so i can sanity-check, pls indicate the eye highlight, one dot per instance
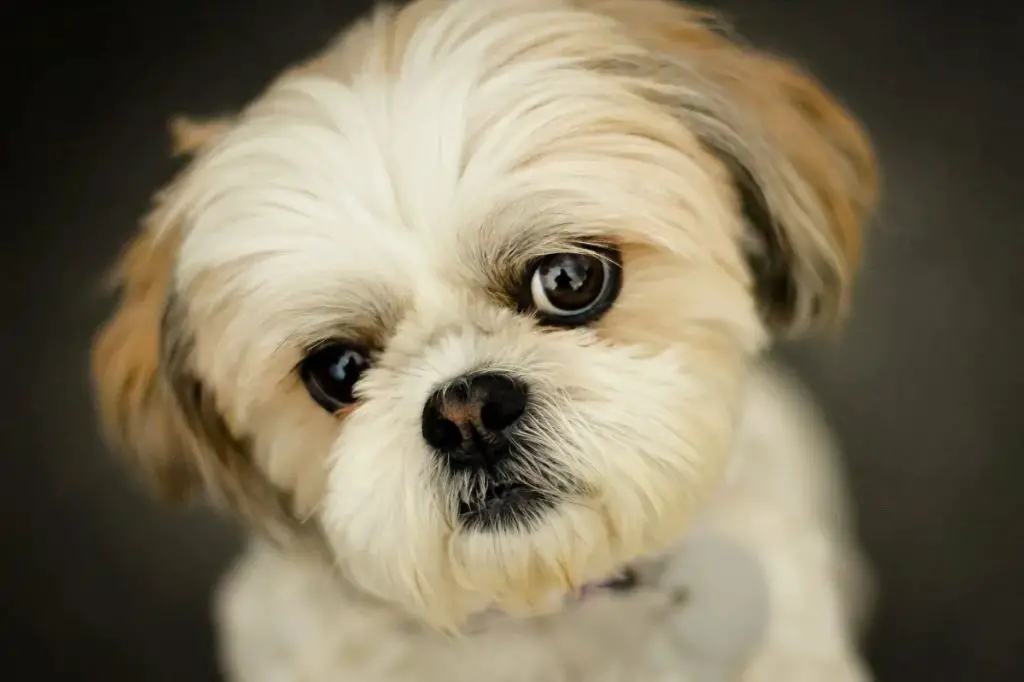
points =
(572, 289)
(330, 372)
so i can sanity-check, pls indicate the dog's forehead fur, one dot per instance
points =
(437, 172)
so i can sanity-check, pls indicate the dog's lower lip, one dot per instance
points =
(503, 494)
(502, 490)
(504, 505)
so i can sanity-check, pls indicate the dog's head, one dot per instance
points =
(471, 296)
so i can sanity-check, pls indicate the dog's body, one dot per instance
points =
(465, 318)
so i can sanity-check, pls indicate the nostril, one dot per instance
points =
(496, 416)
(443, 434)
(503, 400)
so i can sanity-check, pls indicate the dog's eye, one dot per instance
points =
(330, 373)
(570, 289)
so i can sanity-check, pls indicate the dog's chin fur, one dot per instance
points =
(391, 193)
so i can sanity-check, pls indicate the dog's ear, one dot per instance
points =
(132, 373)
(139, 412)
(804, 170)
(154, 407)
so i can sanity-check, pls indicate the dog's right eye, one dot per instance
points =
(572, 289)
(330, 372)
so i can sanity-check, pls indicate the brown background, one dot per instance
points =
(925, 387)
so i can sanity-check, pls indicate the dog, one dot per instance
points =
(466, 318)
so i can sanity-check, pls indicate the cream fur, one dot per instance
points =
(387, 192)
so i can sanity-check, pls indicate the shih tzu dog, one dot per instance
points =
(464, 318)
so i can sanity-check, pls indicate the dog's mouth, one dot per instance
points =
(504, 506)
(516, 506)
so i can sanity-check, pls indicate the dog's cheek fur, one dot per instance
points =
(674, 348)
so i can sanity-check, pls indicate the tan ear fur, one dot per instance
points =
(154, 408)
(810, 159)
(159, 414)
(135, 404)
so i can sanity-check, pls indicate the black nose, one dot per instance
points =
(468, 420)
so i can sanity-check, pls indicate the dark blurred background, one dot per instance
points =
(925, 387)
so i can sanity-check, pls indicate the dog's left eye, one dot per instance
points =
(571, 289)
(330, 373)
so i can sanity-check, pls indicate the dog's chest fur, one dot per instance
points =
(768, 569)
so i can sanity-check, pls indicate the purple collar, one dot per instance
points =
(624, 582)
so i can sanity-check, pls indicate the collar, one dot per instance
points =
(626, 581)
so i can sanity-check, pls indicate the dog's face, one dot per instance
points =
(470, 298)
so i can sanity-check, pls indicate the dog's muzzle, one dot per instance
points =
(473, 426)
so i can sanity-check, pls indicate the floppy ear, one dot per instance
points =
(804, 171)
(139, 413)
(157, 411)
(152, 406)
